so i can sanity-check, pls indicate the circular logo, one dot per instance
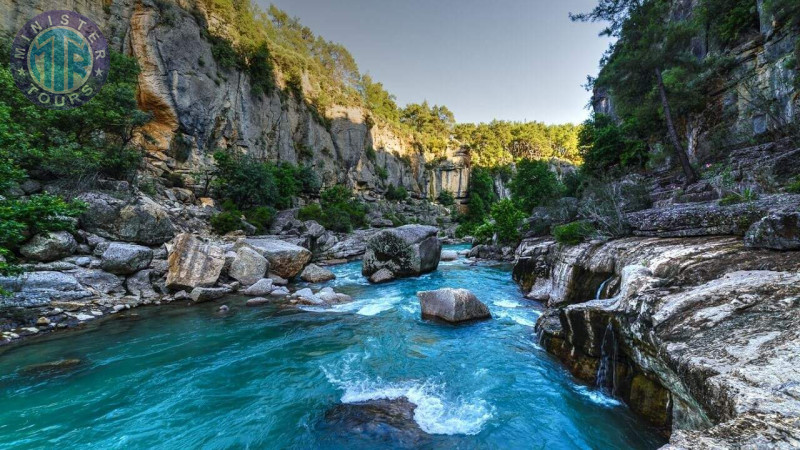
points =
(59, 59)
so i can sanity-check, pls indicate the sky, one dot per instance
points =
(517, 60)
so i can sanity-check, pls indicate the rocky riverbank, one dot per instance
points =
(130, 250)
(698, 334)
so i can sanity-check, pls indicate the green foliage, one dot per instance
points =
(534, 185)
(499, 143)
(727, 20)
(479, 203)
(573, 233)
(227, 221)
(794, 187)
(337, 210)
(604, 144)
(746, 195)
(261, 217)
(75, 145)
(371, 154)
(398, 193)
(382, 173)
(250, 183)
(244, 180)
(446, 198)
(507, 220)
(21, 219)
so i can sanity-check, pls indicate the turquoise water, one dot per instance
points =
(263, 377)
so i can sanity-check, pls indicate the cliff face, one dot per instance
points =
(758, 96)
(697, 334)
(199, 106)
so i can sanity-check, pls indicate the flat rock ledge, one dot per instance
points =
(452, 305)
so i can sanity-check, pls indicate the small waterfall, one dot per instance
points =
(607, 372)
(540, 337)
(602, 286)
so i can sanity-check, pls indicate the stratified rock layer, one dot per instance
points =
(698, 335)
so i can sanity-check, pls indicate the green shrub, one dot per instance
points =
(337, 210)
(244, 180)
(507, 220)
(76, 145)
(794, 187)
(261, 217)
(382, 173)
(312, 211)
(745, 196)
(175, 179)
(371, 154)
(225, 222)
(398, 193)
(446, 198)
(534, 185)
(573, 233)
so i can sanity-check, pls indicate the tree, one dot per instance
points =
(533, 185)
(649, 46)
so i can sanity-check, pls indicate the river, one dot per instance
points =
(181, 376)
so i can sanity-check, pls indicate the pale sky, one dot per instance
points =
(519, 60)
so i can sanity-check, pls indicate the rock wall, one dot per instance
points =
(199, 106)
(761, 94)
(697, 335)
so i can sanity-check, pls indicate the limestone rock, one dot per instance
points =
(285, 259)
(307, 297)
(249, 266)
(449, 255)
(204, 294)
(257, 301)
(41, 288)
(381, 276)
(409, 250)
(138, 220)
(99, 281)
(777, 231)
(140, 284)
(316, 274)
(123, 259)
(261, 287)
(193, 263)
(377, 421)
(49, 246)
(452, 305)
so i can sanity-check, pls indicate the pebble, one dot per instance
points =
(57, 311)
(257, 301)
(43, 321)
(118, 308)
(95, 312)
(223, 308)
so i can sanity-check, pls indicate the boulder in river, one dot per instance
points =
(257, 301)
(316, 274)
(52, 367)
(285, 260)
(406, 251)
(46, 247)
(193, 263)
(449, 255)
(382, 422)
(261, 287)
(452, 305)
(381, 276)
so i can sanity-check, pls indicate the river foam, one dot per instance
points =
(436, 412)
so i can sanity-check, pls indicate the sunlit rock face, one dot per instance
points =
(694, 333)
(198, 106)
